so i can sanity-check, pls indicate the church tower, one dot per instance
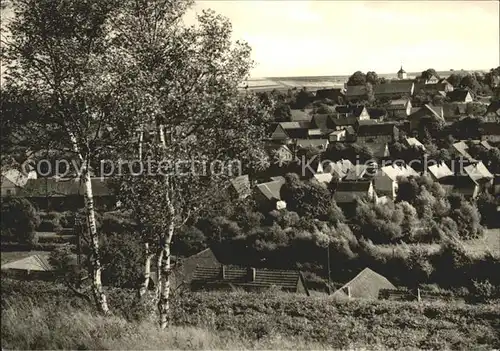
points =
(402, 73)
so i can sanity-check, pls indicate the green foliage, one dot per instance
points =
(122, 258)
(47, 225)
(357, 78)
(19, 220)
(308, 199)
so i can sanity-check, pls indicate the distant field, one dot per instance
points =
(318, 82)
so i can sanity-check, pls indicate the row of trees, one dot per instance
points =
(85, 77)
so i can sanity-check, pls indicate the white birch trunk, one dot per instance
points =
(163, 263)
(147, 272)
(164, 292)
(95, 263)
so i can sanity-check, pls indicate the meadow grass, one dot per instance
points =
(44, 316)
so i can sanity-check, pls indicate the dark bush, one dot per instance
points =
(19, 220)
(49, 225)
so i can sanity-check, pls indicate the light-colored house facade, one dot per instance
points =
(13, 181)
(387, 179)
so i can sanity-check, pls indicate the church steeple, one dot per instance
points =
(402, 73)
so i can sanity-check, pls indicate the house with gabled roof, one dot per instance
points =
(184, 268)
(413, 142)
(423, 113)
(366, 285)
(398, 109)
(387, 179)
(241, 187)
(463, 185)
(337, 95)
(267, 195)
(459, 95)
(279, 153)
(379, 132)
(290, 130)
(440, 172)
(453, 111)
(460, 149)
(67, 193)
(337, 135)
(339, 123)
(393, 90)
(493, 112)
(479, 173)
(347, 192)
(355, 93)
(14, 180)
(358, 111)
(323, 178)
(229, 278)
(359, 172)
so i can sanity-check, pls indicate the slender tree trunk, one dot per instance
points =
(147, 272)
(164, 292)
(95, 263)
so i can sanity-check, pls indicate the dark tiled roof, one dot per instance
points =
(355, 91)
(344, 121)
(376, 129)
(350, 110)
(376, 112)
(53, 187)
(320, 121)
(491, 128)
(457, 95)
(494, 108)
(393, 88)
(240, 276)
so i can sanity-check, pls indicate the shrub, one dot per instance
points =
(49, 225)
(19, 220)
(115, 222)
(67, 219)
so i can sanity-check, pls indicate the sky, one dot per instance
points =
(321, 37)
(334, 37)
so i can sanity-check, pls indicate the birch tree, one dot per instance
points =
(56, 51)
(186, 79)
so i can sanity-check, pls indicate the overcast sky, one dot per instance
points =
(300, 38)
(322, 37)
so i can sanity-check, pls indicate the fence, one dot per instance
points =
(418, 295)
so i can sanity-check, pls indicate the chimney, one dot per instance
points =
(223, 271)
(251, 274)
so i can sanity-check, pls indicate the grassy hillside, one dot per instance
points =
(36, 315)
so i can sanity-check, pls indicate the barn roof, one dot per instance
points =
(239, 276)
(365, 285)
(31, 263)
